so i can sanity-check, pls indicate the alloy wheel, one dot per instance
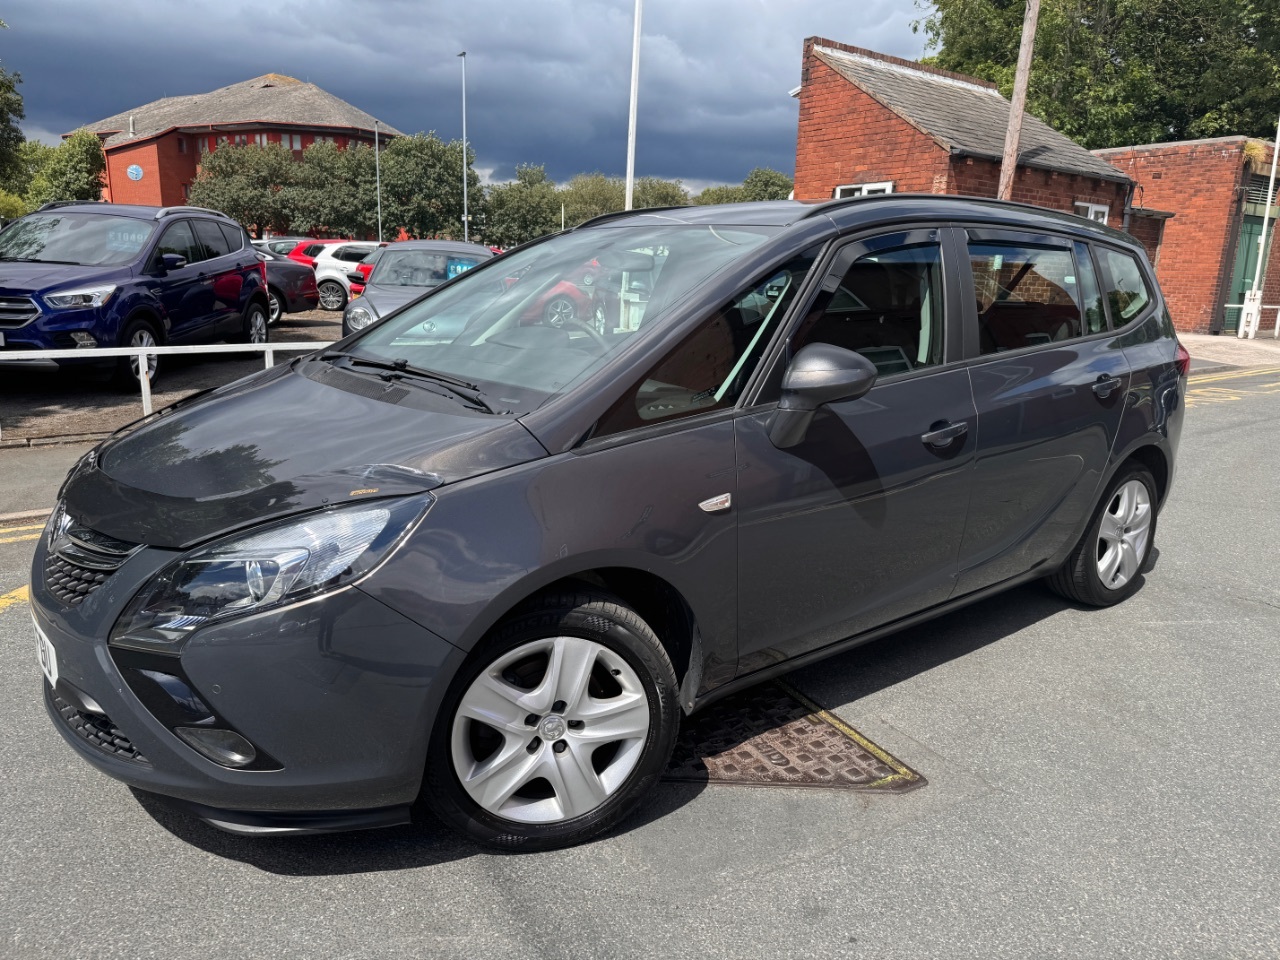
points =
(559, 311)
(142, 337)
(257, 326)
(275, 310)
(1124, 535)
(550, 730)
(332, 296)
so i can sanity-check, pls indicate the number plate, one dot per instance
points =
(47, 655)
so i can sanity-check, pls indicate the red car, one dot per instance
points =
(305, 252)
(365, 267)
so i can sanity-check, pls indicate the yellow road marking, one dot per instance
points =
(1233, 375)
(14, 597)
(28, 536)
(34, 526)
(901, 772)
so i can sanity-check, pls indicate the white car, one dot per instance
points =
(332, 265)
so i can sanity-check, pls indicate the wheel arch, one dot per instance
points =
(151, 316)
(654, 599)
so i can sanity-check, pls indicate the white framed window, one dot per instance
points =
(295, 140)
(260, 139)
(862, 189)
(1097, 212)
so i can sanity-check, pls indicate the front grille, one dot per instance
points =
(17, 312)
(81, 560)
(97, 729)
(71, 583)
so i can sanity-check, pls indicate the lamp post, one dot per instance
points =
(635, 94)
(377, 177)
(466, 221)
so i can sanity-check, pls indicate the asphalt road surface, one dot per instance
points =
(1100, 784)
(40, 404)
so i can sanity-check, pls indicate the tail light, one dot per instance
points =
(1183, 360)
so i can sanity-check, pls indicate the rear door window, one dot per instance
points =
(1026, 295)
(1127, 291)
(210, 234)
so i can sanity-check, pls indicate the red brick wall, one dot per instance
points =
(1199, 183)
(120, 188)
(974, 177)
(1148, 231)
(846, 136)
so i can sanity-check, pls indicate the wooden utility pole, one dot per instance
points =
(1010, 163)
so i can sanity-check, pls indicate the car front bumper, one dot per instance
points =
(339, 691)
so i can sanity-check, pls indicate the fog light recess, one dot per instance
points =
(224, 747)
(83, 338)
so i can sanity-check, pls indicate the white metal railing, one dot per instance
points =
(144, 383)
(1248, 330)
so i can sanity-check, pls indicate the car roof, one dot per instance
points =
(443, 246)
(133, 210)
(853, 212)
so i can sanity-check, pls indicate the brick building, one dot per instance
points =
(153, 152)
(871, 123)
(1218, 190)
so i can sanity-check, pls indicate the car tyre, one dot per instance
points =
(137, 333)
(275, 306)
(579, 701)
(1106, 566)
(255, 328)
(333, 296)
(559, 311)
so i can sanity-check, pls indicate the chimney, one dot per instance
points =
(131, 125)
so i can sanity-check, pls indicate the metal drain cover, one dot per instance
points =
(772, 735)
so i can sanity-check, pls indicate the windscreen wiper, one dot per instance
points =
(64, 263)
(399, 367)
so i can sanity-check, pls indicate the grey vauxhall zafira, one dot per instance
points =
(489, 570)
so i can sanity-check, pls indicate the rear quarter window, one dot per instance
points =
(1127, 291)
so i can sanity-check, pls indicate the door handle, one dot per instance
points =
(943, 432)
(1105, 385)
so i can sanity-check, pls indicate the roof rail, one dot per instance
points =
(605, 217)
(54, 204)
(172, 211)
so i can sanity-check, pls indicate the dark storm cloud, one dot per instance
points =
(547, 82)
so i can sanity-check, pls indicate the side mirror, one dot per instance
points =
(355, 276)
(820, 373)
(172, 261)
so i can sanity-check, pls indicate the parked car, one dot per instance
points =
(281, 246)
(91, 275)
(332, 264)
(291, 287)
(364, 268)
(489, 572)
(307, 251)
(404, 272)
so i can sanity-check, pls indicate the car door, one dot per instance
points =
(187, 292)
(1049, 381)
(224, 269)
(860, 523)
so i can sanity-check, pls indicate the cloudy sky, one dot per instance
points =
(547, 80)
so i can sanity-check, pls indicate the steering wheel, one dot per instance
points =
(597, 337)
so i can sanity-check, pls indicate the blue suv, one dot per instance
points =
(104, 275)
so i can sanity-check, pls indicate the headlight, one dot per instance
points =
(359, 317)
(94, 296)
(282, 564)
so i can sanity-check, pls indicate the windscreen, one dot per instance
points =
(418, 268)
(524, 327)
(87, 239)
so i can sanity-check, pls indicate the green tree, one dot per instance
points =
(334, 191)
(248, 183)
(765, 184)
(72, 171)
(1117, 72)
(724, 193)
(526, 208)
(11, 111)
(588, 195)
(653, 192)
(32, 158)
(12, 206)
(422, 185)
